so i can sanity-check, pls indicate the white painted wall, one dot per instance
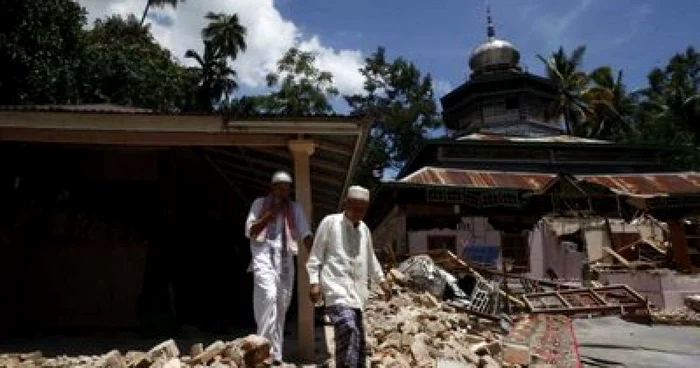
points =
(546, 251)
(664, 289)
(390, 231)
(536, 241)
(474, 231)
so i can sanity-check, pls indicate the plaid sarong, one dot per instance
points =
(349, 336)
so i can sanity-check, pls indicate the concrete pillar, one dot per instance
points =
(679, 244)
(302, 151)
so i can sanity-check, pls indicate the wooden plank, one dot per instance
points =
(272, 166)
(527, 302)
(316, 161)
(561, 298)
(618, 257)
(231, 169)
(334, 147)
(139, 138)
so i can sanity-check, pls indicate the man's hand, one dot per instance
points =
(265, 219)
(387, 290)
(315, 293)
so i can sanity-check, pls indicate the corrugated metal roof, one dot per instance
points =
(648, 185)
(545, 139)
(87, 108)
(478, 179)
(641, 185)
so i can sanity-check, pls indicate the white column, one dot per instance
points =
(302, 151)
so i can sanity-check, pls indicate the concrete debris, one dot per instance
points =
(693, 302)
(680, 317)
(251, 351)
(421, 273)
(196, 349)
(414, 329)
(167, 349)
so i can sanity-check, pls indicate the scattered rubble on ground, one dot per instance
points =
(414, 329)
(680, 317)
(417, 328)
(693, 302)
(504, 320)
(250, 351)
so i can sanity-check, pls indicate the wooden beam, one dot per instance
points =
(316, 162)
(561, 299)
(333, 181)
(139, 138)
(679, 244)
(257, 183)
(334, 147)
(618, 257)
(224, 151)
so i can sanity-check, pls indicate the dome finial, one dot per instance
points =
(490, 29)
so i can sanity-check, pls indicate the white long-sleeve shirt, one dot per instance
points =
(342, 261)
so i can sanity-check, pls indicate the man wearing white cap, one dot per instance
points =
(275, 225)
(340, 265)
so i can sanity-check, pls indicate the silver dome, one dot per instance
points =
(494, 53)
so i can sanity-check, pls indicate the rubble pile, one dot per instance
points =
(415, 329)
(250, 351)
(693, 302)
(683, 316)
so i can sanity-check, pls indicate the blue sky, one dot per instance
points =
(438, 36)
(634, 35)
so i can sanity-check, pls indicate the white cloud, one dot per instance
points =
(442, 87)
(635, 20)
(269, 36)
(553, 27)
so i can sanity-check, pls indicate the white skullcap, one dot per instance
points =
(358, 192)
(281, 177)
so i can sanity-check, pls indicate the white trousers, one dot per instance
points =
(272, 293)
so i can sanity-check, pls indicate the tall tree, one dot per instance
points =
(225, 33)
(302, 89)
(40, 47)
(215, 77)
(159, 4)
(669, 108)
(123, 64)
(402, 104)
(673, 95)
(571, 82)
(610, 107)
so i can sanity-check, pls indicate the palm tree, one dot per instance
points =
(571, 82)
(216, 79)
(225, 33)
(674, 92)
(160, 4)
(610, 106)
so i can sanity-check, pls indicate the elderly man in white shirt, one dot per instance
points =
(340, 264)
(274, 226)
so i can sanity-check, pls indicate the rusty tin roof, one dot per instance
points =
(478, 178)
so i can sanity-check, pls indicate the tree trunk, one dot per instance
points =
(145, 11)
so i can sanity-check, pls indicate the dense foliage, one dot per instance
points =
(401, 102)
(598, 104)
